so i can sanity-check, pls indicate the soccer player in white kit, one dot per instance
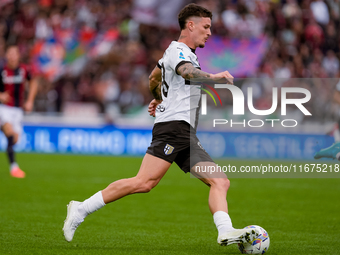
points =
(175, 107)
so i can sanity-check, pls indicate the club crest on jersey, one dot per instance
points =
(168, 149)
(181, 56)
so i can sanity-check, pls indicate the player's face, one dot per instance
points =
(13, 56)
(202, 31)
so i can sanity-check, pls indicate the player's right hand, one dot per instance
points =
(28, 106)
(152, 107)
(224, 77)
(5, 97)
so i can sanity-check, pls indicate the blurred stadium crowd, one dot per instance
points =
(304, 42)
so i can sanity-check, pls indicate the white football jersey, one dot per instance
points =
(181, 100)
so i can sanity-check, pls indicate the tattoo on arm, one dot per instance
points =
(157, 92)
(189, 72)
(155, 83)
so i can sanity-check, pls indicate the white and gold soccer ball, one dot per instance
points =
(259, 245)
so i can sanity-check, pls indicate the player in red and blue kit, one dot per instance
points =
(13, 78)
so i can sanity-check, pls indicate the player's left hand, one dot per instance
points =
(28, 106)
(223, 77)
(152, 107)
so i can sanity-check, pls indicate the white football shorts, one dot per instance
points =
(12, 115)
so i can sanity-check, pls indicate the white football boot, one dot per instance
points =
(73, 220)
(246, 235)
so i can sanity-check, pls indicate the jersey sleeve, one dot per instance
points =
(179, 56)
(159, 63)
(28, 73)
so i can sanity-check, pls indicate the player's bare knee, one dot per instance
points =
(8, 131)
(137, 184)
(143, 186)
(15, 138)
(223, 183)
(148, 187)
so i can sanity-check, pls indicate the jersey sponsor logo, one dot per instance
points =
(180, 48)
(13, 79)
(160, 108)
(168, 149)
(181, 56)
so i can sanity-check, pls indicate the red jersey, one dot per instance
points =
(13, 81)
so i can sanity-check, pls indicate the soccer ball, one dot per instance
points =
(259, 245)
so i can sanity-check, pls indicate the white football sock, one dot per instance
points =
(91, 204)
(222, 222)
(13, 165)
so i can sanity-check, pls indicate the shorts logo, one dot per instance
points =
(200, 145)
(168, 149)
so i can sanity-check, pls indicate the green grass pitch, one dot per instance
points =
(302, 216)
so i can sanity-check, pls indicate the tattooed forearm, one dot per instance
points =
(189, 72)
(157, 92)
(155, 83)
